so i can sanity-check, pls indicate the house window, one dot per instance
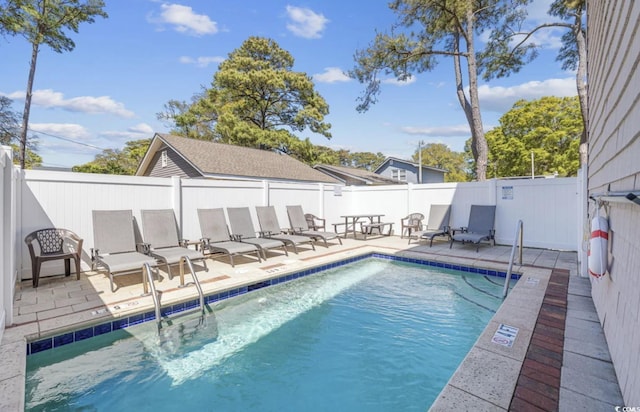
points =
(399, 174)
(163, 158)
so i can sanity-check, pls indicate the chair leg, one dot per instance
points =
(77, 260)
(35, 273)
(67, 267)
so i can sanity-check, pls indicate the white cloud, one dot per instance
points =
(305, 22)
(409, 80)
(438, 131)
(69, 130)
(331, 75)
(50, 99)
(137, 132)
(185, 20)
(202, 61)
(501, 99)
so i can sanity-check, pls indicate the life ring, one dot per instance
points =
(598, 247)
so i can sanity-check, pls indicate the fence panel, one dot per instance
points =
(60, 199)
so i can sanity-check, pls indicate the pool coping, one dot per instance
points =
(52, 341)
(14, 384)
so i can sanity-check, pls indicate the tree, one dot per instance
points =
(44, 22)
(549, 127)
(10, 134)
(257, 100)
(437, 28)
(439, 155)
(117, 162)
(512, 48)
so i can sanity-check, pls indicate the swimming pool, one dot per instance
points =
(372, 335)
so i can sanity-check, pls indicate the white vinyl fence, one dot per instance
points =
(39, 199)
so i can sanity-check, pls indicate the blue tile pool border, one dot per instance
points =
(88, 332)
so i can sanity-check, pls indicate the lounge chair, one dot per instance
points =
(216, 237)
(269, 228)
(411, 223)
(162, 241)
(242, 230)
(437, 225)
(481, 221)
(300, 227)
(115, 248)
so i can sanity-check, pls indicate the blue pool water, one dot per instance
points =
(374, 335)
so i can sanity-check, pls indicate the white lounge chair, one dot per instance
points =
(216, 237)
(270, 228)
(115, 248)
(300, 227)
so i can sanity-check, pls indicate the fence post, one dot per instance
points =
(583, 221)
(176, 199)
(266, 195)
(321, 199)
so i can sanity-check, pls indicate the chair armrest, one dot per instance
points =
(143, 247)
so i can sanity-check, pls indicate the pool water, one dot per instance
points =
(375, 335)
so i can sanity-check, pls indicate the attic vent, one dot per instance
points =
(163, 158)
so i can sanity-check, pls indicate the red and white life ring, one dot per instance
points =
(598, 247)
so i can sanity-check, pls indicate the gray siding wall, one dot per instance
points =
(176, 166)
(428, 176)
(614, 164)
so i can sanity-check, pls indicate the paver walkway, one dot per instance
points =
(561, 370)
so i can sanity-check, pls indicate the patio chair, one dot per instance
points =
(270, 228)
(300, 227)
(481, 221)
(216, 237)
(412, 222)
(314, 222)
(115, 248)
(162, 240)
(437, 225)
(53, 244)
(242, 230)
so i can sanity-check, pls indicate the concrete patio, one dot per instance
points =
(490, 378)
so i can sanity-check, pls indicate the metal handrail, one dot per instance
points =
(149, 278)
(516, 241)
(195, 282)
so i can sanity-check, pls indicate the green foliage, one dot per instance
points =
(439, 155)
(44, 22)
(255, 100)
(426, 31)
(550, 127)
(10, 135)
(117, 162)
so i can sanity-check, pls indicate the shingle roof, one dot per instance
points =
(409, 162)
(365, 175)
(219, 160)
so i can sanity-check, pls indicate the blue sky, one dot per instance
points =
(123, 70)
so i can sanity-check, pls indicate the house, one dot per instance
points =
(406, 171)
(170, 155)
(352, 176)
(613, 179)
